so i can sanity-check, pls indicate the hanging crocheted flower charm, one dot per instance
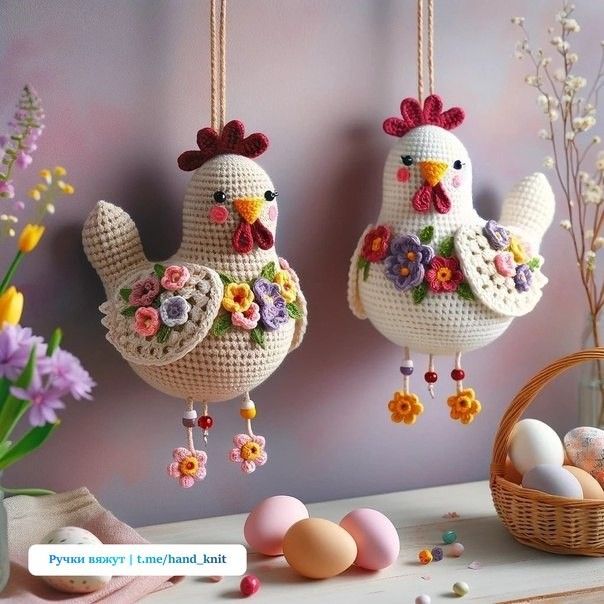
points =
(249, 452)
(405, 407)
(188, 466)
(464, 406)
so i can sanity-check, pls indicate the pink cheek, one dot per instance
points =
(273, 213)
(219, 214)
(456, 182)
(403, 175)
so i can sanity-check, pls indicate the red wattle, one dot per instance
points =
(441, 200)
(262, 236)
(243, 240)
(422, 199)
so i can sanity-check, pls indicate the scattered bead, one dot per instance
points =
(431, 377)
(458, 374)
(205, 422)
(249, 585)
(449, 537)
(216, 578)
(461, 588)
(423, 599)
(425, 556)
(456, 550)
(437, 554)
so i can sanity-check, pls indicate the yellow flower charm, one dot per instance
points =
(30, 237)
(464, 406)
(11, 306)
(287, 286)
(405, 407)
(518, 251)
(238, 297)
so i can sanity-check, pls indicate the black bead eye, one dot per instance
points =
(407, 160)
(457, 164)
(270, 195)
(219, 197)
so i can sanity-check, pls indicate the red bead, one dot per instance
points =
(249, 585)
(205, 422)
(431, 377)
(458, 374)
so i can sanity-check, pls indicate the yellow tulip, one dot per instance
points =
(60, 171)
(65, 187)
(35, 194)
(11, 306)
(30, 237)
(46, 175)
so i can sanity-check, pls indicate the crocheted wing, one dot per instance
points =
(151, 324)
(354, 297)
(301, 323)
(504, 285)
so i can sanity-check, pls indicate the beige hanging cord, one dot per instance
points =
(420, 48)
(218, 66)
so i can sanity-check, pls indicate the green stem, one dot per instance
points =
(11, 271)
(27, 491)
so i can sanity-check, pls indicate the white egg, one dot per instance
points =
(70, 535)
(533, 443)
(554, 480)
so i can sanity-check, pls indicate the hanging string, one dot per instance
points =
(420, 48)
(222, 105)
(431, 45)
(217, 66)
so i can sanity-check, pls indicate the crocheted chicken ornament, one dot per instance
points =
(215, 320)
(432, 275)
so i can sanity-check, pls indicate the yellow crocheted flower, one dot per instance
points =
(287, 286)
(517, 249)
(405, 407)
(238, 297)
(464, 406)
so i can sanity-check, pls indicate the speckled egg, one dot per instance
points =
(268, 522)
(318, 549)
(585, 449)
(591, 487)
(377, 541)
(533, 443)
(70, 535)
(554, 480)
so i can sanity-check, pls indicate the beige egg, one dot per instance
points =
(591, 487)
(318, 549)
(511, 473)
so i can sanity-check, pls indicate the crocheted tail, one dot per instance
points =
(530, 207)
(112, 243)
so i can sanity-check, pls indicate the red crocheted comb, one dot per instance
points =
(231, 140)
(431, 114)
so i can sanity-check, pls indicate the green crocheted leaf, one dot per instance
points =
(159, 270)
(221, 325)
(293, 311)
(445, 248)
(426, 234)
(257, 336)
(226, 279)
(162, 334)
(534, 263)
(129, 311)
(419, 292)
(125, 293)
(464, 291)
(269, 271)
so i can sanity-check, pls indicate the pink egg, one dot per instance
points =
(376, 538)
(456, 550)
(268, 522)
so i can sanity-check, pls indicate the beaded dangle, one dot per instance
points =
(249, 449)
(431, 376)
(405, 406)
(464, 406)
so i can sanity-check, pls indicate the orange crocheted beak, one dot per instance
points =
(249, 208)
(432, 171)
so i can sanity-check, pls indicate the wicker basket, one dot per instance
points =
(553, 524)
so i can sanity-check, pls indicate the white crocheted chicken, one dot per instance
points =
(432, 275)
(219, 317)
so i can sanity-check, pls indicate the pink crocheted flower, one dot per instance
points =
(249, 452)
(146, 321)
(248, 319)
(144, 291)
(188, 466)
(175, 277)
(505, 265)
(444, 274)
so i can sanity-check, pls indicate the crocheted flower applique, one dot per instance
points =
(188, 466)
(158, 303)
(259, 306)
(375, 248)
(464, 406)
(405, 407)
(249, 451)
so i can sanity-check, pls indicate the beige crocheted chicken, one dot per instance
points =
(215, 320)
(432, 275)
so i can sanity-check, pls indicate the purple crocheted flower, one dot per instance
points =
(273, 310)
(497, 236)
(174, 311)
(406, 266)
(523, 278)
(144, 291)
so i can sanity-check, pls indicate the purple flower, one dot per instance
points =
(16, 343)
(66, 374)
(523, 278)
(23, 160)
(273, 310)
(6, 189)
(497, 236)
(144, 291)
(44, 399)
(4, 138)
(406, 266)
(174, 310)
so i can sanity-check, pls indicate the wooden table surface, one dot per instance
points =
(509, 572)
